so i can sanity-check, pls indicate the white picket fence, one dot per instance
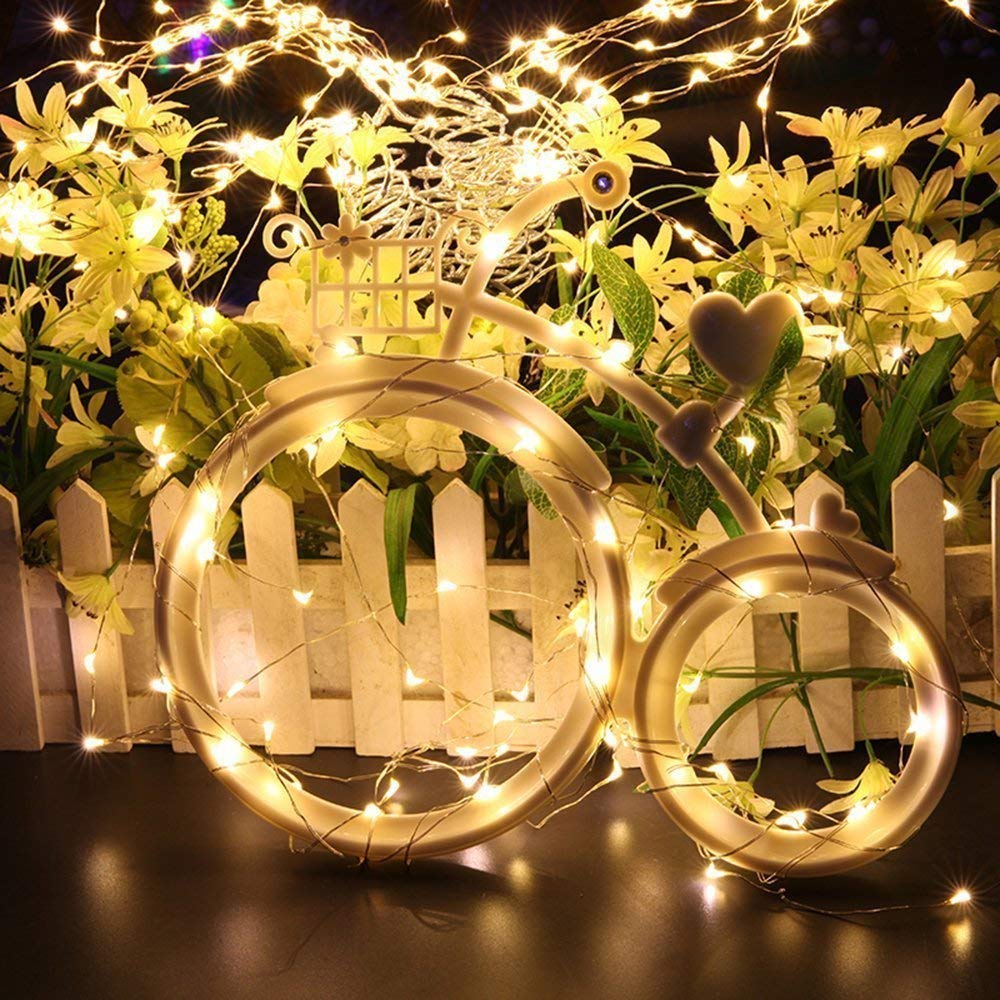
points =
(344, 682)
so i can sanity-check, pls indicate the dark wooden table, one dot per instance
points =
(138, 876)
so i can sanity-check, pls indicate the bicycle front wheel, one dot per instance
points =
(797, 562)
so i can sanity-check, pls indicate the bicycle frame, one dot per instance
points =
(641, 675)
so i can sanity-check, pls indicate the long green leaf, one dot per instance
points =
(31, 499)
(106, 373)
(398, 518)
(902, 423)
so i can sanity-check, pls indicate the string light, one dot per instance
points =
(227, 752)
(93, 742)
(303, 597)
(960, 897)
(494, 245)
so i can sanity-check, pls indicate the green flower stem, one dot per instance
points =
(791, 626)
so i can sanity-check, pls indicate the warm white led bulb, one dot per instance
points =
(302, 596)
(598, 670)
(604, 532)
(792, 820)
(617, 352)
(494, 245)
(227, 752)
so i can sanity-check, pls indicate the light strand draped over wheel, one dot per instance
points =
(797, 562)
(375, 387)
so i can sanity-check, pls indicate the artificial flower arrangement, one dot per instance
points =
(116, 365)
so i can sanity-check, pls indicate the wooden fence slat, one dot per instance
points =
(162, 511)
(995, 564)
(553, 582)
(466, 666)
(85, 545)
(918, 542)
(729, 643)
(824, 643)
(278, 625)
(373, 634)
(21, 726)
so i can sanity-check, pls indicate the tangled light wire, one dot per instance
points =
(486, 133)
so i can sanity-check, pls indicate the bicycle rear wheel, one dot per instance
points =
(302, 406)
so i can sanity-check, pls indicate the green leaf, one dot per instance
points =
(272, 346)
(398, 518)
(198, 410)
(946, 432)
(106, 373)
(513, 489)
(114, 481)
(631, 301)
(482, 468)
(745, 286)
(355, 458)
(33, 497)
(703, 376)
(624, 428)
(786, 356)
(902, 425)
(692, 491)
(538, 497)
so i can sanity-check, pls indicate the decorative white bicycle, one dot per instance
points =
(630, 680)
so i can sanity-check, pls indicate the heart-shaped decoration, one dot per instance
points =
(738, 343)
(828, 514)
(691, 432)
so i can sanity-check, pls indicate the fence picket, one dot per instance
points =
(918, 542)
(21, 707)
(371, 713)
(372, 631)
(278, 625)
(85, 546)
(466, 667)
(554, 579)
(824, 643)
(162, 512)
